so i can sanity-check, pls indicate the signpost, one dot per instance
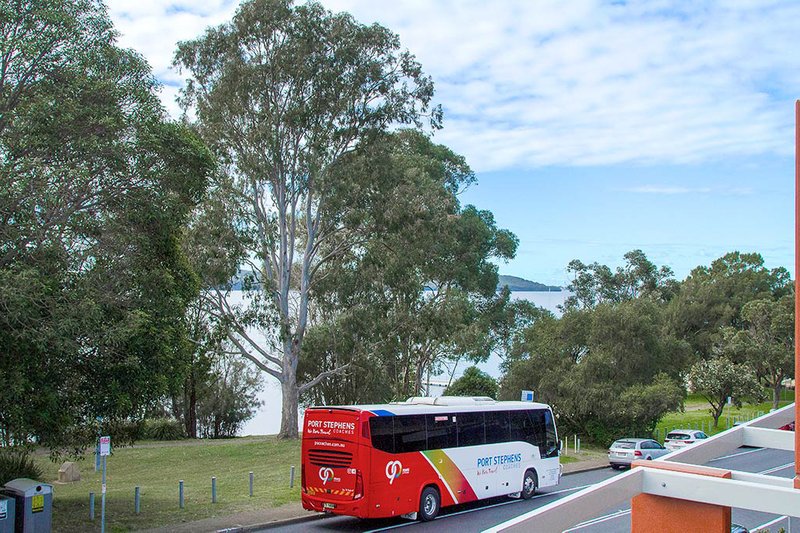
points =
(527, 396)
(105, 451)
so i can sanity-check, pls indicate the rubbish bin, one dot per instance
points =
(6, 514)
(33, 505)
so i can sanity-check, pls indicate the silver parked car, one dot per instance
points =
(680, 438)
(624, 451)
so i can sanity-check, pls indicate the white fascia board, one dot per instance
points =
(775, 419)
(579, 507)
(785, 482)
(756, 496)
(776, 439)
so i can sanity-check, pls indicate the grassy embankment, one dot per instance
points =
(157, 466)
(696, 416)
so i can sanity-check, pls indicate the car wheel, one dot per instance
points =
(429, 504)
(614, 467)
(529, 485)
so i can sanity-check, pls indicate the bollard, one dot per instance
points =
(251, 484)
(291, 477)
(180, 493)
(136, 500)
(579, 445)
(213, 490)
(91, 506)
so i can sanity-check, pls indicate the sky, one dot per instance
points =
(594, 128)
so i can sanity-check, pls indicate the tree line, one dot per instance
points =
(633, 341)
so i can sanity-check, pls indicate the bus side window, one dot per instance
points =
(441, 432)
(470, 429)
(497, 427)
(522, 427)
(382, 430)
(410, 434)
(545, 433)
(551, 440)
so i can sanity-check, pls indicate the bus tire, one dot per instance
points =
(429, 504)
(528, 485)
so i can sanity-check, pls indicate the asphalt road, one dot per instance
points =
(481, 515)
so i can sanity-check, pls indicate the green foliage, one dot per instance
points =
(124, 432)
(719, 378)
(16, 463)
(418, 291)
(473, 382)
(228, 398)
(607, 371)
(163, 429)
(95, 186)
(712, 298)
(595, 284)
(766, 341)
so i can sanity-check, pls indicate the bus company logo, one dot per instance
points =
(393, 470)
(325, 474)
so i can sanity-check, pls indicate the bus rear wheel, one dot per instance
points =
(429, 504)
(528, 485)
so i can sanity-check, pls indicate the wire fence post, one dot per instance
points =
(180, 493)
(137, 500)
(213, 490)
(291, 478)
(251, 484)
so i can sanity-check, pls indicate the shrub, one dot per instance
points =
(163, 429)
(124, 432)
(15, 463)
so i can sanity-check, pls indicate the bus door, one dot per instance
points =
(332, 473)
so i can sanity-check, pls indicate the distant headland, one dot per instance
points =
(516, 284)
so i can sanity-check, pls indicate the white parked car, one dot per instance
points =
(680, 438)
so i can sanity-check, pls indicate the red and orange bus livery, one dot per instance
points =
(410, 459)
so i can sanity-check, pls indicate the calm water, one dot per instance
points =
(268, 419)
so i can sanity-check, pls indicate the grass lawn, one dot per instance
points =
(696, 415)
(157, 467)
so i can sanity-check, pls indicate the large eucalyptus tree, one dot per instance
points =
(282, 92)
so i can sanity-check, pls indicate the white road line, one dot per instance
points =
(600, 519)
(770, 523)
(542, 495)
(737, 454)
(777, 468)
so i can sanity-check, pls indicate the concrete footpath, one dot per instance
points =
(294, 512)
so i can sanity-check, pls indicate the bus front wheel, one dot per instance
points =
(529, 485)
(429, 504)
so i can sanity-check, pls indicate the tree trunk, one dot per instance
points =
(290, 396)
(716, 412)
(776, 394)
(191, 408)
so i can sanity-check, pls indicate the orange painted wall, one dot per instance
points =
(656, 513)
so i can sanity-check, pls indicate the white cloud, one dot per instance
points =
(528, 84)
(676, 190)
